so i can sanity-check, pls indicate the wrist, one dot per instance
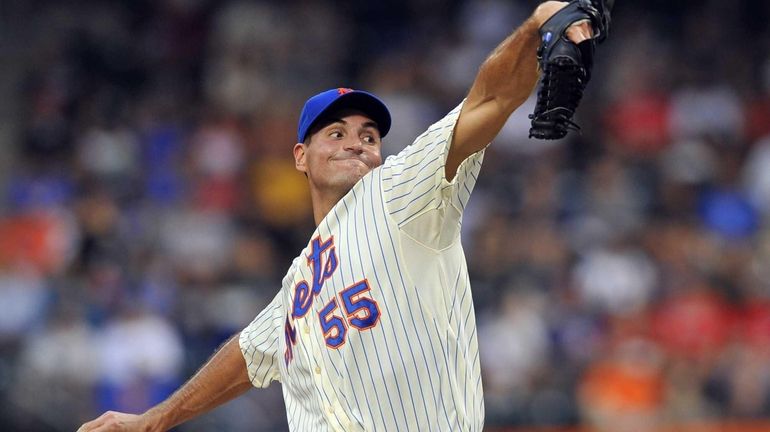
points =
(157, 420)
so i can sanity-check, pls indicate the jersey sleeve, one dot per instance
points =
(415, 189)
(260, 344)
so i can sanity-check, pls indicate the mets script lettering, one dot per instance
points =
(360, 311)
(304, 295)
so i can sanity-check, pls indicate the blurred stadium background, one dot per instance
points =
(149, 205)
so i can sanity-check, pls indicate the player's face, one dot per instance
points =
(341, 152)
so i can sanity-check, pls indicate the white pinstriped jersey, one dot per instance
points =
(373, 328)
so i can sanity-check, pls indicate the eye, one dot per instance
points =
(335, 134)
(371, 139)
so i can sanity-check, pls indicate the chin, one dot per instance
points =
(348, 180)
(358, 171)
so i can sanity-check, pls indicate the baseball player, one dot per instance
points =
(373, 327)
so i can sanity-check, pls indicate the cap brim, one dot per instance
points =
(358, 100)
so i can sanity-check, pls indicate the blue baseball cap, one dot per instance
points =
(342, 98)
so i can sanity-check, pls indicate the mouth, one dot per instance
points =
(351, 160)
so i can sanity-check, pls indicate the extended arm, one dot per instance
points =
(503, 83)
(221, 379)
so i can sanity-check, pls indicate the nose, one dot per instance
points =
(354, 144)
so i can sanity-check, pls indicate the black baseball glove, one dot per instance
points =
(566, 66)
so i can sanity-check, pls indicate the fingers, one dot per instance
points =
(546, 10)
(93, 425)
(113, 421)
(580, 31)
(108, 421)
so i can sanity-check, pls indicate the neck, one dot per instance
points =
(323, 203)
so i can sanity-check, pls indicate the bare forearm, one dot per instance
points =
(504, 82)
(509, 74)
(221, 379)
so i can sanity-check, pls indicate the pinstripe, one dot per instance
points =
(462, 301)
(352, 235)
(421, 163)
(305, 397)
(294, 406)
(262, 321)
(441, 394)
(412, 152)
(344, 284)
(411, 180)
(338, 393)
(473, 172)
(376, 276)
(259, 367)
(339, 354)
(437, 127)
(477, 394)
(329, 353)
(386, 308)
(463, 202)
(361, 380)
(432, 189)
(409, 306)
(412, 187)
(320, 389)
(454, 296)
(312, 390)
(272, 364)
(402, 160)
(428, 149)
(461, 324)
(342, 275)
(454, 402)
(451, 314)
(388, 350)
(267, 328)
(466, 347)
(304, 410)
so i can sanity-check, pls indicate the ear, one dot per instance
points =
(299, 157)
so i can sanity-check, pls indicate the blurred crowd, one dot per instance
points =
(149, 205)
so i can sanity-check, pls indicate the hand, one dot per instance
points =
(577, 32)
(112, 421)
(580, 31)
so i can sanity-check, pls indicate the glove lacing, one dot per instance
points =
(559, 95)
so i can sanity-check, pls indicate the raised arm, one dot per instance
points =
(221, 379)
(503, 83)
